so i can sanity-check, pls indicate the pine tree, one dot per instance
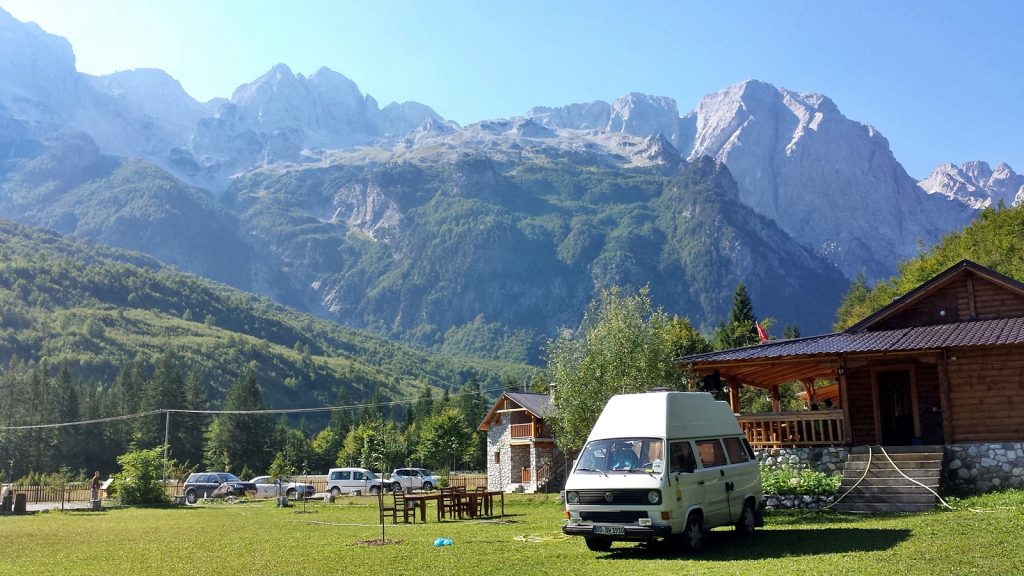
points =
(473, 406)
(190, 444)
(69, 439)
(741, 329)
(341, 420)
(246, 438)
(164, 391)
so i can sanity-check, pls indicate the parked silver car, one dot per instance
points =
(270, 487)
(407, 479)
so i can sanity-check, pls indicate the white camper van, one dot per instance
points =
(660, 464)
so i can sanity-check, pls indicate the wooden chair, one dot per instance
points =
(400, 507)
(475, 505)
(450, 504)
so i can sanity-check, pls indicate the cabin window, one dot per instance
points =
(711, 453)
(734, 448)
(682, 458)
(497, 456)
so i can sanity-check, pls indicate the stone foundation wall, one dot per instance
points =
(827, 460)
(789, 502)
(976, 468)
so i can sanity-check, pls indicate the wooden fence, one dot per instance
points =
(82, 492)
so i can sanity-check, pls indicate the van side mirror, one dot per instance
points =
(657, 467)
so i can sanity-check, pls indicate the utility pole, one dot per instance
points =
(167, 440)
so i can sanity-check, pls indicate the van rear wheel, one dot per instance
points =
(596, 544)
(693, 534)
(745, 525)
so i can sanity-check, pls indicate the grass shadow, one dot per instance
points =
(788, 542)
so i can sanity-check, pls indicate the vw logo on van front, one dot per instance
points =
(608, 497)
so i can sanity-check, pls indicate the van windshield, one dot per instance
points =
(621, 455)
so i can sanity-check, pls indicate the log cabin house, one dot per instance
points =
(941, 365)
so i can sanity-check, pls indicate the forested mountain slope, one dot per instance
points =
(96, 309)
(994, 240)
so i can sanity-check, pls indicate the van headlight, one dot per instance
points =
(654, 496)
(572, 497)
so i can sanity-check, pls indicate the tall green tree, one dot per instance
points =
(341, 419)
(446, 440)
(244, 440)
(623, 345)
(375, 444)
(741, 329)
(473, 406)
(70, 444)
(189, 449)
(165, 390)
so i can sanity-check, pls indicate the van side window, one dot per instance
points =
(357, 475)
(736, 451)
(711, 453)
(682, 458)
(344, 475)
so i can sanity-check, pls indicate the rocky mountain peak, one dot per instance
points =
(38, 79)
(975, 184)
(656, 150)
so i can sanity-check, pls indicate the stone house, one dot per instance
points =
(521, 451)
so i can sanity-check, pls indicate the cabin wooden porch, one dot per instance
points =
(818, 428)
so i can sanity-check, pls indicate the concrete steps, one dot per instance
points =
(877, 485)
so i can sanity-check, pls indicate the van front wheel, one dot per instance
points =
(596, 544)
(745, 525)
(693, 534)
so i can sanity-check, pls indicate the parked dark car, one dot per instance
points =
(215, 485)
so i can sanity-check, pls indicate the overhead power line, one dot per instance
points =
(235, 412)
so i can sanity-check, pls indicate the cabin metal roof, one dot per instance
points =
(958, 334)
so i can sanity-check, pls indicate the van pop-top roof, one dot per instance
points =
(665, 415)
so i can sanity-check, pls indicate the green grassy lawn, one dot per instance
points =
(258, 538)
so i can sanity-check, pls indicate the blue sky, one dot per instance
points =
(942, 80)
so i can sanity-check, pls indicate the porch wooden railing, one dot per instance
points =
(794, 429)
(543, 473)
(529, 430)
(521, 430)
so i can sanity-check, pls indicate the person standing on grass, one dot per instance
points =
(96, 485)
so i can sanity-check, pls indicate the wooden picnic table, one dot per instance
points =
(467, 497)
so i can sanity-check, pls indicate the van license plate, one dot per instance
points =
(610, 530)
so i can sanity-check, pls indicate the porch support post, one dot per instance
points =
(809, 390)
(845, 400)
(776, 399)
(734, 394)
(945, 402)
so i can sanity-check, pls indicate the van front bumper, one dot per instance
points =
(629, 531)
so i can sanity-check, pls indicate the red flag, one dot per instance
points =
(761, 333)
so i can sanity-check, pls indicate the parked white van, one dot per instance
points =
(345, 480)
(661, 464)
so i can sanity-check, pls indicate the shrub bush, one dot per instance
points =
(139, 481)
(798, 481)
